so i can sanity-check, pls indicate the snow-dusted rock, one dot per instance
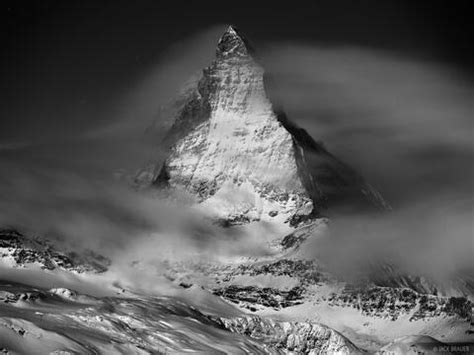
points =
(239, 160)
(19, 250)
(292, 337)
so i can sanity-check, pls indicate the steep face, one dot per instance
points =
(234, 152)
(242, 160)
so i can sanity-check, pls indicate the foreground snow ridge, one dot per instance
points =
(61, 321)
(297, 337)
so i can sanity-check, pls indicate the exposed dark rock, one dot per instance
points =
(393, 302)
(26, 250)
(306, 271)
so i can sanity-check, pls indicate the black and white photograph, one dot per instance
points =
(236, 177)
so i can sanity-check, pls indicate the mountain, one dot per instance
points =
(243, 161)
(241, 158)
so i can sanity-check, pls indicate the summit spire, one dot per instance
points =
(233, 44)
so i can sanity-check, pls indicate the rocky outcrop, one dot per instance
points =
(21, 250)
(249, 296)
(394, 302)
(306, 271)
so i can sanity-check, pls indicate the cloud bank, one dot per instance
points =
(407, 125)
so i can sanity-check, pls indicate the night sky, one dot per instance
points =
(66, 64)
(58, 56)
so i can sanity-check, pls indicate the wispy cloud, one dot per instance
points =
(407, 125)
(10, 146)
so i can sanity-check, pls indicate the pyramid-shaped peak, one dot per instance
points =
(233, 44)
(242, 160)
(232, 30)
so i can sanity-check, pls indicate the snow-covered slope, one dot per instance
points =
(242, 160)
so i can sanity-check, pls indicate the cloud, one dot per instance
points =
(62, 183)
(9, 146)
(407, 125)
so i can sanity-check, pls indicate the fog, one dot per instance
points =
(404, 123)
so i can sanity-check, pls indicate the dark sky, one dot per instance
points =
(64, 63)
(58, 55)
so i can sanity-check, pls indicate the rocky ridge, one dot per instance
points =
(65, 321)
(20, 250)
(292, 337)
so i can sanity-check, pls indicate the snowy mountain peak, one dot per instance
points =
(243, 160)
(233, 44)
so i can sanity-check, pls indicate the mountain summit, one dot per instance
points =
(243, 160)
(233, 43)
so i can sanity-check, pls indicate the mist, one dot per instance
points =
(405, 124)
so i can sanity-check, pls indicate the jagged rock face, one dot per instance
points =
(298, 337)
(244, 161)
